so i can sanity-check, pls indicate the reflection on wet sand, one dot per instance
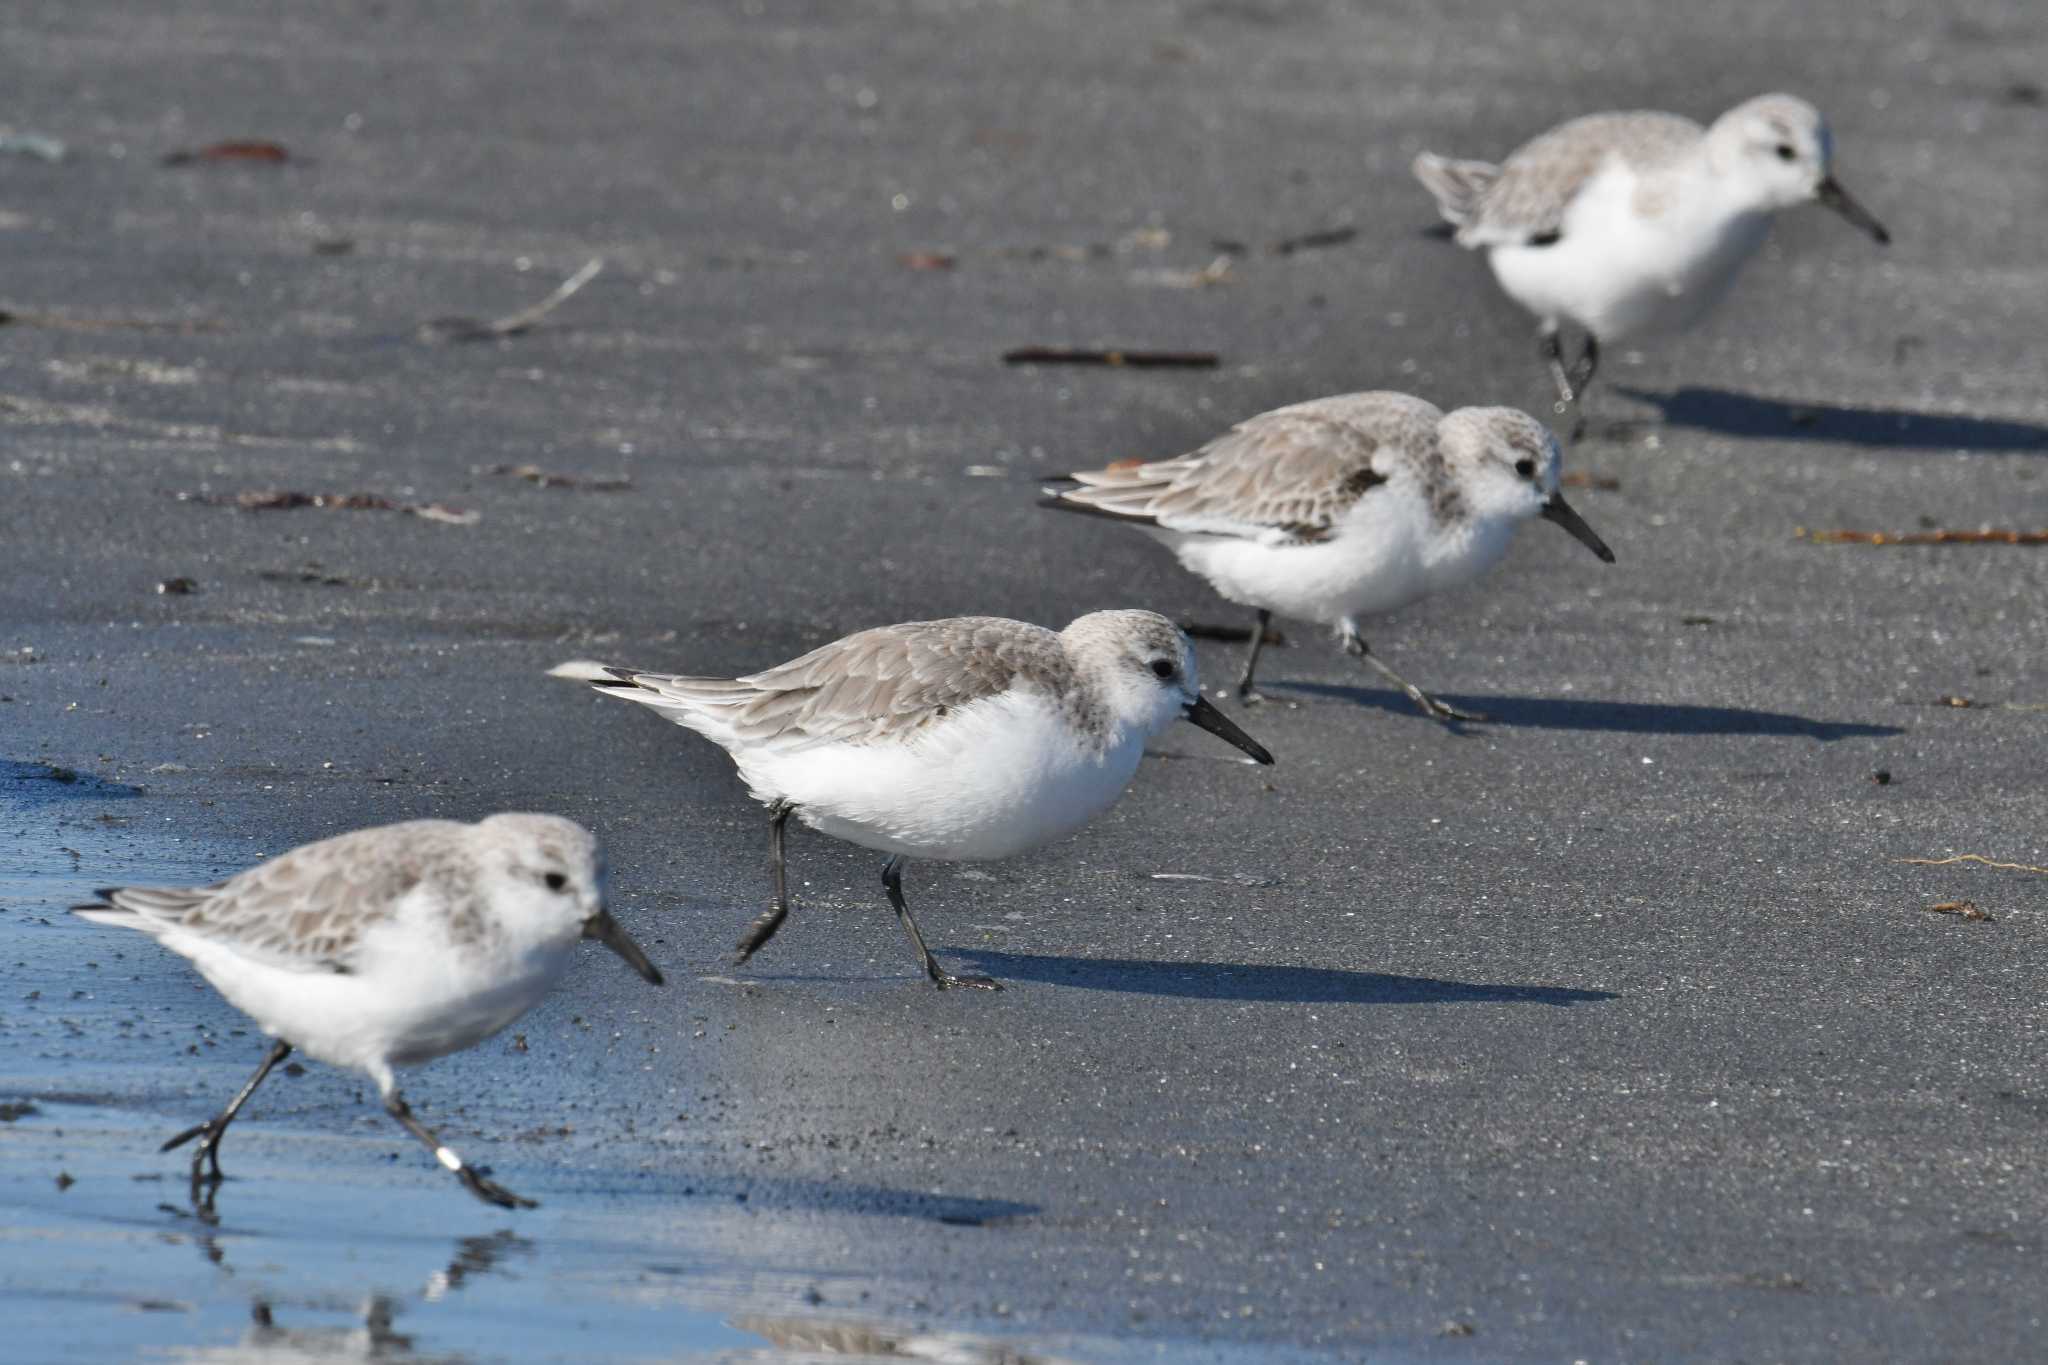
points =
(369, 1336)
(270, 1344)
(808, 1336)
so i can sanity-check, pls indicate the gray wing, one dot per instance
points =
(877, 684)
(1285, 476)
(1526, 203)
(306, 910)
(1459, 187)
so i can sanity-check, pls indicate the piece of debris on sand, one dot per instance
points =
(1987, 535)
(512, 324)
(279, 499)
(1966, 910)
(247, 151)
(1114, 357)
(534, 474)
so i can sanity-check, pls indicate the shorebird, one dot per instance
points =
(1632, 223)
(386, 947)
(1342, 508)
(957, 740)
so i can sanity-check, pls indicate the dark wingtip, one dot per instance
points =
(1440, 232)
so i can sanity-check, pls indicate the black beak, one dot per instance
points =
(1835, 197)
(602, 927)
(1216, 723)
(1558, 510)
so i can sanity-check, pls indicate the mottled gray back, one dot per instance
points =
(309, 909)
(877, 684)
(1296, 470)
(1538, 182)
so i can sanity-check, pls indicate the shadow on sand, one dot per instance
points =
(1741, 414)
(1235, 981)
(1623, 717)
(40, 783)
(821, 1196)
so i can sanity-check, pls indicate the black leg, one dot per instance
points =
(1354, 644)
(763, 928)
(214, 1129)
(1571, 383)
(1582, 380)
(1246, 692)
(1551, 347)
(892, 880)
(1588, 362)
(488, 1191)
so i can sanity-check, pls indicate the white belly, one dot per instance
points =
(996, 778)
(1619, 272)
(1389, 553)
(409, 1003)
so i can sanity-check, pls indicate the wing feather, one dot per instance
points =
(877, 684)
(1527, 201)
(306, 910)
(1285, 476)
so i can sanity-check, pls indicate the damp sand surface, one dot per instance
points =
(1615, 1029)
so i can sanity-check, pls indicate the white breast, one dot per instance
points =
(994, 778)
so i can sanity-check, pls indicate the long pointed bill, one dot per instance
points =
(1835, 197)
(602, 927)
(1216, 723)
(1560, 511)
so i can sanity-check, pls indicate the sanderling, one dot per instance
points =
(1636, 222)
(387, 947)
(957, 740)
(1340, 508)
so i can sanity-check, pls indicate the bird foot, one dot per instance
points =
(1446, 713)
(491, 1192)
(948, 981)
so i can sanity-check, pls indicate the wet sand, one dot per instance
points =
(1613, 1030)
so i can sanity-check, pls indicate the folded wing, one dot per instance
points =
(877, 684)
(305, 911)
(1283, 477)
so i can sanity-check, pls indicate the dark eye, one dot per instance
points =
(556, 881)
(1526, 467)
(1785, 152)
(1162, 668)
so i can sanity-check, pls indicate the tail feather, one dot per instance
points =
(586, 670)
(1125, 491)
(1459, 187)
(144, 907)
(1079, 500)
(684, 700)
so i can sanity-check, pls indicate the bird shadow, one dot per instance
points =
(1746, 415)
(1622, 717)
(61, 783)
(817, 1196)
(1240, 981)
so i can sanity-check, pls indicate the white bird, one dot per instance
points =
(963, 739)
(1342, 508)
(387, 947)
(1630, 223)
